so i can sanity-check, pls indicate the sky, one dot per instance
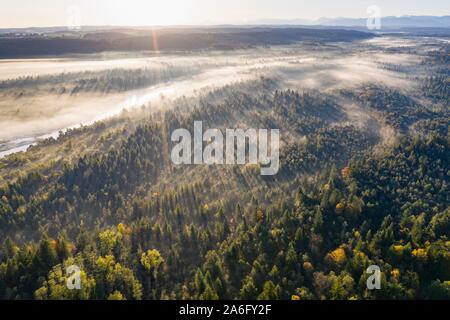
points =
(45, 13)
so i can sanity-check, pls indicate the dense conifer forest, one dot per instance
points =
(347, 196)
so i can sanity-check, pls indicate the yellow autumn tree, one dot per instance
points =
(338, 256)
(395, 273)
(121, 228)
(151, 261)
(116, 295)
(108, 239)
(420, 254)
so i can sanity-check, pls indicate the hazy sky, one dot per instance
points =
(25, 13)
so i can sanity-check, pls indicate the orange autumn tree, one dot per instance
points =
(337, 256)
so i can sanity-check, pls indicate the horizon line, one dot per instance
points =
(257, 22)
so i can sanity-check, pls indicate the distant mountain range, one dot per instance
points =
(393, 22)
(387, 22)
(390, 22)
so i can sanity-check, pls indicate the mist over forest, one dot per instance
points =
(86, 177)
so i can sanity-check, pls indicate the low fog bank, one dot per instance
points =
(318, 67)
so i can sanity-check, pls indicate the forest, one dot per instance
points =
(347, 196)
(167, 39)
(112, 80)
